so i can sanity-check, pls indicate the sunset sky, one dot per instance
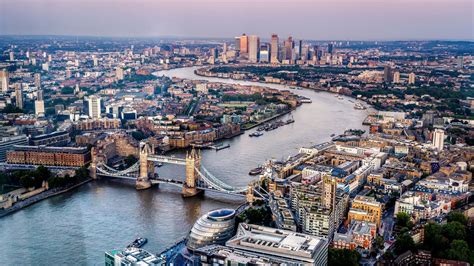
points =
(307, 19)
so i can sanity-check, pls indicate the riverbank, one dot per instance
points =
(37, 198)
(204, 72)
(268, 119)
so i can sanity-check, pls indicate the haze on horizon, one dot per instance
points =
(306, 19)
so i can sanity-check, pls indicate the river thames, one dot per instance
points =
(79, 226)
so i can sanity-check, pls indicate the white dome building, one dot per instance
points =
(214, 227)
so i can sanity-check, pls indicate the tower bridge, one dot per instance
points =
(197, 177)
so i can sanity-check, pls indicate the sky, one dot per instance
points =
(305, 19)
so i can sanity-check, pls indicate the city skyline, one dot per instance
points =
(314, 20)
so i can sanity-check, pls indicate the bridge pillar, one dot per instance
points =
(249, 195)
(93, 165)
(143, 180)
(193, 162)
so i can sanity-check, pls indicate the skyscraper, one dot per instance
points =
(244, 44)
(94, 106)
(19, 95)
(274, 49)
(264, 53)
(12, 56)
(330, 48)
(438, 139)
(253, 48)
(411, 78)
(4, 80)
(288, 49)
(237, 44)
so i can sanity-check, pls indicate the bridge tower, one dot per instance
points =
(193, 162)
(93, 165)
(143, 181)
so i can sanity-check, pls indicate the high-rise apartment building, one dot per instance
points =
(253, 48)
(19, 95)
(4, 80)
(274, 49)
(438, 139)
(396, 77)
(94, 106)
(119, 73)
(37, 80)
(411, 78)
(387, 74)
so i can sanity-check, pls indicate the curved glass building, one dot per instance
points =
(214, 227)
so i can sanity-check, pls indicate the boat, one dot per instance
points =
(256, 171)
(138, 243)
(256, 134)
(306, 100)
(220, 147)
(359, 106)
(340, 97)
(289, 121)
(332, 135)
(159, 164)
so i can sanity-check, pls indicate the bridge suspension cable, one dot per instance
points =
(216, 183)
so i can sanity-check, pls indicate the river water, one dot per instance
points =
(79, 226)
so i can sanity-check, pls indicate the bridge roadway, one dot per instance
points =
(177, 183)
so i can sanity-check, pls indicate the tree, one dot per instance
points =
(403, 243)
(27, 181)
(343, 257)
(456, 216)
(138, 135)
(459, 251)
(402, 219)
(454, 230)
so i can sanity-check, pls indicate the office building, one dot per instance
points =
(330, 48)
(94, 106)
(274, 49)
(45, 67)
(244, 44)
(288, 46)
(411, 78)
(214, 227)
(131, 256)
(438, 139)
(7, 143)
(19, 95)
(4, 80)
(253, 50)
(264, 56)
(360, 235)
(283, 244)
(57, 138)
(12, 56)
(237, 44)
